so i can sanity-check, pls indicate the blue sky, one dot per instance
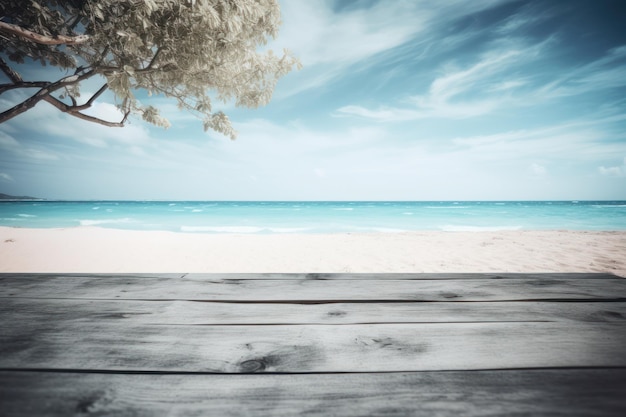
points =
(397, 100)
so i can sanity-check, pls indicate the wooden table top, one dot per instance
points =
(314, 344)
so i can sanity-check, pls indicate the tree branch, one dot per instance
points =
(42, 39)
(76, 108)
(96, 95)
(153, 60)
(25, 84)
(75, 111)
(42, 94)
(13, 76)
(16, 79)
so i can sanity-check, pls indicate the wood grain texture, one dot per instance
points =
(326, 276)
(394, 276)
(313, 348)
(312, 344)
(183, 288)
(157, 312)
(570, 392)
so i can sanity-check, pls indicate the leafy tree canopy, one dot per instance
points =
(184, 49)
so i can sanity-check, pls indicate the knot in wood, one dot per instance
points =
(450, 295)
(253, 365)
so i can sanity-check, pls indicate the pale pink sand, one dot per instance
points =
(90, 249)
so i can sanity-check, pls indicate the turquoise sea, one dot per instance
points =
(317, 217)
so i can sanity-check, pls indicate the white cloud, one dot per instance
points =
(447, 94)
(328, 42)
(4, 177)
(604, 73)
(319, 172)
(584, 139)
(320, 36)
(9, 144)
(7, 141)
(529, 15)
(508, 85)
(105, 111)
(46, 121)
(137, 151)
(492, 83)
(615, 171)
(34, 153)
(537, 170)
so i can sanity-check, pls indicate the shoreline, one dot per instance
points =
(89, 249)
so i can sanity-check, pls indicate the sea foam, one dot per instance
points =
(455, 228)
(242, 229)
(89, 222)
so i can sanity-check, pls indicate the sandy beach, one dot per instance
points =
(92, 249)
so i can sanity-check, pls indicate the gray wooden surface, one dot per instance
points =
(314, 344)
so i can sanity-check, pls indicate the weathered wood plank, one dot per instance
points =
(395, 275)
(314, 348)
(72, 275)
(572, 392)
(163, 288)
(213, 276)
(145, 323)
(134, 312)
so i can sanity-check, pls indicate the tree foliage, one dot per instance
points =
(187, 50)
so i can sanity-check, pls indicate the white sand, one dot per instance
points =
(91, 249)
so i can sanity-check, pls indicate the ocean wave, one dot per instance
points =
(386, 230)
(26, 215)
(343, 209)
(454, 228)
(609, 205)
(373, 229)
(222, 229)
(242, 229)
(89, 222)
(447, 207)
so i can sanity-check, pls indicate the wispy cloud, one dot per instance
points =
(470, 91)
(614, 171)
(590, 138)
(7, 141)
(537, 170)
(329, 41)
(11, 146)
(604, 73)
(322, 36)
(528, 15)
(511, 74)
(47, 121)
(4, 177)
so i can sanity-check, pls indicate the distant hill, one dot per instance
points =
(13, 197)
